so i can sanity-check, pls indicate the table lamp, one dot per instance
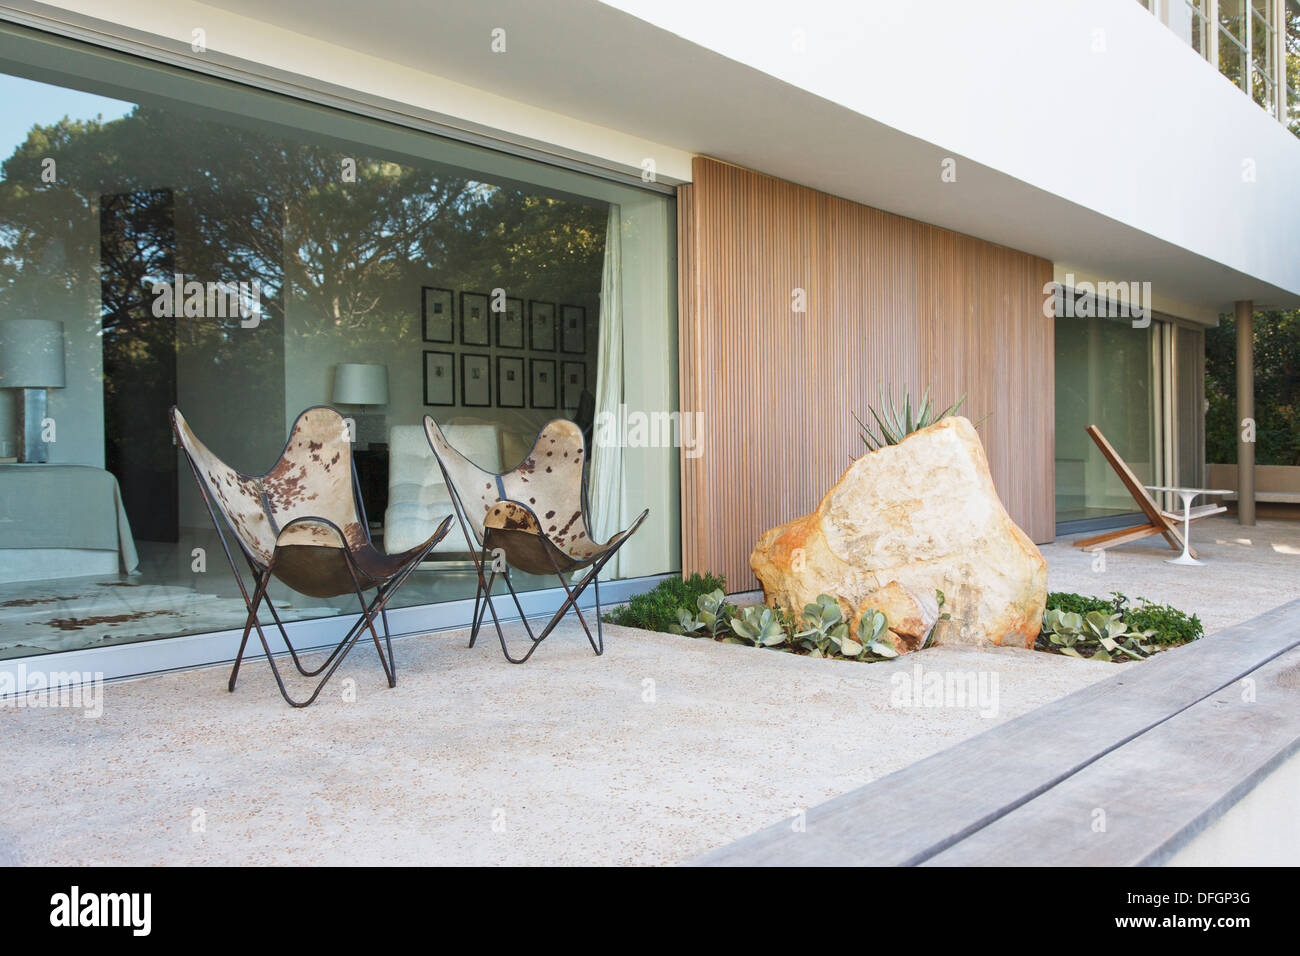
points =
(356, 384)
(31, 360)
(360, 384)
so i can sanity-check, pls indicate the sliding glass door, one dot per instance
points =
(1143, 388)
(246, 256)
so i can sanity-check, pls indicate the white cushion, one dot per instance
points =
(417, 497)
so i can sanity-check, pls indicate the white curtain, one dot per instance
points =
(605, 484)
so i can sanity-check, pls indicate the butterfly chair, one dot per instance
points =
(535, 518)
(303, 523)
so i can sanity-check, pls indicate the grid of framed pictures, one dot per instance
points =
(474, 322)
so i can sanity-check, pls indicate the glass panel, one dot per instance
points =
(352, 243)
(1232, 60)
(1232, 20)
(1189, 407)
(1261, 91)
(1104, 377)
(1261, 46)
(1292, 11)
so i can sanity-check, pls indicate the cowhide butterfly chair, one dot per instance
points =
(303, 523)
(535, 519)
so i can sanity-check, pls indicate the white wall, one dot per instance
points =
(1057, 93)
(1087, 132)
(1262, 829)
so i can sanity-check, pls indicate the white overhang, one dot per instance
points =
(1082, 131)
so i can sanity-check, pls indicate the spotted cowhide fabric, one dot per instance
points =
(543, 494)
(312, 480)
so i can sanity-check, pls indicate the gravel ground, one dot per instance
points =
(664, 748)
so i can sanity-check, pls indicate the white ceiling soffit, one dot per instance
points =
(601, 65)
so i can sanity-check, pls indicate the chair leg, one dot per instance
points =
(366, 621)
(259, 589)
(571, 601)
(480, 604)
(388, 640)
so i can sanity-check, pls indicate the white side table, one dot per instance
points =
(1188, 495)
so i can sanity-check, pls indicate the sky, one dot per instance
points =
(26, 103)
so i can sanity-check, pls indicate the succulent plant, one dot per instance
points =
(1105, 635)
(940, 599)
(710, 615)
(759, 626)
(895, 424)
(873, 639)
(822, 627)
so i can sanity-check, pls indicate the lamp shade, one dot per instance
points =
(31, 353)
(360, 384)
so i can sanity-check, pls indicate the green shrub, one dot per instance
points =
(1168, 625)
(656, 610)
(1160, 623)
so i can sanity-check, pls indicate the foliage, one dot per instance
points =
(759, 625)
(1146, 626)
(895, 424)
(873, 638)
(1277, 389)
(656, 610)
(163, 189)
(711, 614)
(1103, 636)
(822, 628)
(1167, 625)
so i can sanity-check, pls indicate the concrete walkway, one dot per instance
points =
(1247, 570)
(661, 750)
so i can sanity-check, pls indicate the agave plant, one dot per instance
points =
(822, 627)
(1071, 634)
(759, 626)
(895, 424)
(710, 615)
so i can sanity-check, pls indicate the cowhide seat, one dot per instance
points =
(533, 518)
(303, 523)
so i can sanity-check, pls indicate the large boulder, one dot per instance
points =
(909, 519)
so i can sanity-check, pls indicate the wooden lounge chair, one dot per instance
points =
(1159, 521)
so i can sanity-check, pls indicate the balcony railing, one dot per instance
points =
(1255, 43)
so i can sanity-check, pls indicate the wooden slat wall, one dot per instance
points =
(891, 302)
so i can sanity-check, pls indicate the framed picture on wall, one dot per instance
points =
(439, 378)
(574, 381)
(436, 318)
(475, 380)
(474, 328)
(573, 326)
(510, 325)
(541, 328)
(510, 381)
(542, 373)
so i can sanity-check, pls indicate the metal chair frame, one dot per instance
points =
(384, 591)
(488, 574)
